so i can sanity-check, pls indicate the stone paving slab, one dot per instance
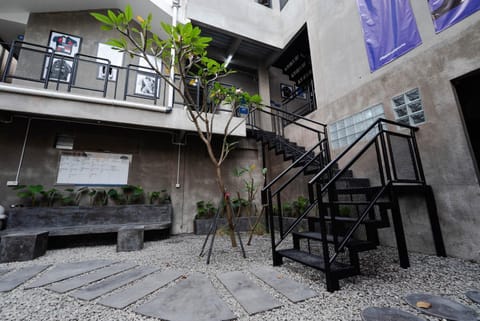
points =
(293, 290)
(474, 295)
(97, 275)
(67, 270)
(4, 271)
(141, 289)
(391, 314)
(250, 296)
(12, 280)
(103, 287)
(193, 298)
(442, 307)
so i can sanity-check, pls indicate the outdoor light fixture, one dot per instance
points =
(64, 142)
(227, 61)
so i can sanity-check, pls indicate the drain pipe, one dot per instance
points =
(27, 131)
(175, 7)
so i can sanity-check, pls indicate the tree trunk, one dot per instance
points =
(229, 214)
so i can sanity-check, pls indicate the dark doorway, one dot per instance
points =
(468, 94)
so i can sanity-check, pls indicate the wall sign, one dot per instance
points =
(88, 168)
(389, 29)
(116, 59)
(446, 13)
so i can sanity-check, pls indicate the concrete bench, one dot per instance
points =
(23, 246)
(78, 220)
(130, 238)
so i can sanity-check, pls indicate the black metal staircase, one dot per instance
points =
(332, 242)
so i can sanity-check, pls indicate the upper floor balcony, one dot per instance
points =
(38, 80)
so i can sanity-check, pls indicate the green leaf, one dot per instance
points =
(106, 27)
(128, 13)
(116, 43)
(102, 18)
(113, 17)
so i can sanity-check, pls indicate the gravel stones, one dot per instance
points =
(382, 282)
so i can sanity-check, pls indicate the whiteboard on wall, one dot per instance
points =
(89, 168)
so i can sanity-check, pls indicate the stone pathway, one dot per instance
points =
(442, 307)
(191, 297)
(250, 296)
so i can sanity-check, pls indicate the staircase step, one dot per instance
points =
(378, 203)
(340, 270)
(346, 219)
(359, 190)
(353, 244)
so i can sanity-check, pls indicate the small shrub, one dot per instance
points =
(205, 210)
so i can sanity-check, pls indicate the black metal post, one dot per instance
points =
(434, 222)
(398, 228)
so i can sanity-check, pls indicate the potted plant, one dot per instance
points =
(204, 217)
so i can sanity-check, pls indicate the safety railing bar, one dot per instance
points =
(31, 44)
(296, 222)
(347, 166)
(357, 223)
(284, 185)
(283, 118)
(285, 171)
(292, 114)
(358, 139)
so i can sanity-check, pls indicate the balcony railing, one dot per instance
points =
(90, 75)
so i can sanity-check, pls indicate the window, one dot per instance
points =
(345, 131)
(408, 108)
(283, 3)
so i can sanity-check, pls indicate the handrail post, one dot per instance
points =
(9, 62)
(417, 156)
(385, 155)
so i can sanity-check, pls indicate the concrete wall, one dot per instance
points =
(344, 85)
(154, 161)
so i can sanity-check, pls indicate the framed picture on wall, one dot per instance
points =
(145, 81)
(286, 90)
(61, 71)
(145, 85)
(301, 94)
(64, 44)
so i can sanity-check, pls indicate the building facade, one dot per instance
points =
(431, 86)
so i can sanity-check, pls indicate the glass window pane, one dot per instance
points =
(401, 111)
(404, 120)
(398, 101)
(413, 94)
(416, 106)
(418, 118)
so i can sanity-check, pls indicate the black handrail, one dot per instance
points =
(385, 166)
(355, 142)
(48, 53)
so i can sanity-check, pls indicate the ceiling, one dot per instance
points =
(246, 53)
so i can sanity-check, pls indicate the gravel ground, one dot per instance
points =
(382, 283)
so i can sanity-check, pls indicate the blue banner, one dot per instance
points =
(448, 12)
(389, 29)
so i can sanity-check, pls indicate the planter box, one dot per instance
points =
(202, 226)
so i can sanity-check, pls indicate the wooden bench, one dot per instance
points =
(68, 221)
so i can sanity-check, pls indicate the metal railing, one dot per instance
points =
(40, 64)
(322, 187)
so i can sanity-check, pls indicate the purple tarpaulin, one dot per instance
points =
(389, 28)
(448, 12)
